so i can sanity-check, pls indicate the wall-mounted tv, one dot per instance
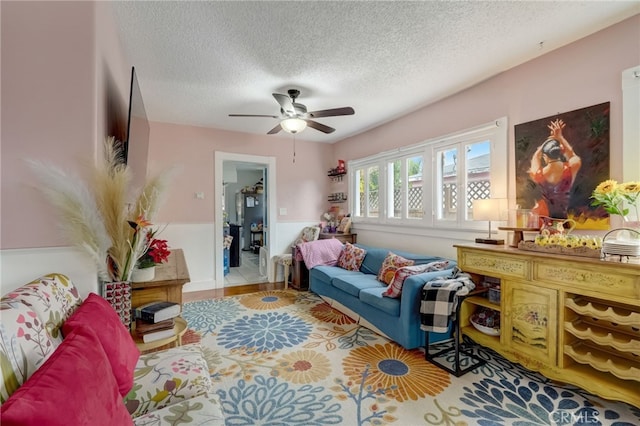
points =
(136, 147)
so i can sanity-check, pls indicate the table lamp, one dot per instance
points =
(489, 209)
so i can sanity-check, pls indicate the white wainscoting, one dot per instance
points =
(21, 266)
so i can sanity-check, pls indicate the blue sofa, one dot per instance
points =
(361, 293)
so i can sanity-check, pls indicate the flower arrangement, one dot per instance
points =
(618, 198)
(99, 217)
(156, 251)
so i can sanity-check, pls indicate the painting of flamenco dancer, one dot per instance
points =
(559, 161)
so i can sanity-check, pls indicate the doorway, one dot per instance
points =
(245, 188)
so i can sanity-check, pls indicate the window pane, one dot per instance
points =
(414, 187)
(359, 200)
(478, 176)
(373, 208)
(447, 182)
(394, 173)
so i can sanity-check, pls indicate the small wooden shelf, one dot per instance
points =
(479, 337)
(518, 233)
(482, 301)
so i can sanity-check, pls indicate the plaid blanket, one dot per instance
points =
(440, 300)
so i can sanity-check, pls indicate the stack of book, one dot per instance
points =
(155, 320)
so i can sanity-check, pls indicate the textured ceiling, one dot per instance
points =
(197, 62)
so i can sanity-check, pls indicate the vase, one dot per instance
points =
(143, 274)
(118, 294)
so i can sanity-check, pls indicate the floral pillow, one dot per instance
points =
(351, 257)
(395, 288)
(390, 265)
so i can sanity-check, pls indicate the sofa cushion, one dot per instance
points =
(26, 345)
(373, 260)
(373, 297)
(327, 273)
(97, 313)
(353, 284)
(390, 265)
(351, 257)
(395, 288)
(162, 378)
(75, 386)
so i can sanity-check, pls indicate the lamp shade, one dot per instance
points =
(489, 209)
(293, 125)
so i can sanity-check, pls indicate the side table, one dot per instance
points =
(167, 284)
(340, 236)
(178, 331)
(457, 346)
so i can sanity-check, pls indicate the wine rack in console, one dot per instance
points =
(603, 335)
(573, 319)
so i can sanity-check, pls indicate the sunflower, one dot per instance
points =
(305, 366)
(268, 300)
(401, 374)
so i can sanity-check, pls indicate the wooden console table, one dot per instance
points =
(573, 319)
(167, 284)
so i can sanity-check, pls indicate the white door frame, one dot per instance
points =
(269, 164)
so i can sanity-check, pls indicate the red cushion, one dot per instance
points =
(97, 314)
(74, 386)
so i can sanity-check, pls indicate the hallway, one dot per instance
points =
(247, 273)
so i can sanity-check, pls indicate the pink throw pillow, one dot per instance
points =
(74, 386)
(395, 288)
(351, 257)
(122, 352)
(390, 265)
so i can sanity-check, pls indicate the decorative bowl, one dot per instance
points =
(486, 330)
(486, 321)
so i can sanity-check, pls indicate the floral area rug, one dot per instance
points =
(287, 358)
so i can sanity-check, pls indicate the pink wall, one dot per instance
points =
(581, 74)
(55, 59)
(47, 108)
(55, 56)
(192, 149)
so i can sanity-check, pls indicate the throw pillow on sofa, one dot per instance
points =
(395, 288)
(75, 386)
(97, 314)
(351, 257)
(390, 265)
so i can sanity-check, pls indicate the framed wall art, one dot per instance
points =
(560, 159)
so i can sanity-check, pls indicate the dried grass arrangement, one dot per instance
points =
(98, 217)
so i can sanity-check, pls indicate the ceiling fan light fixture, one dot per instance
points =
(293, 125)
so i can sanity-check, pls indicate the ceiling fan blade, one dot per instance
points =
(252, 115)
(285, 103)
(319, 126)
(275, 130)
(332, 112)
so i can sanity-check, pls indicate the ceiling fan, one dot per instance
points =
(294, 117)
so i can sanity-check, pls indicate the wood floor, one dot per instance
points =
(193, 296)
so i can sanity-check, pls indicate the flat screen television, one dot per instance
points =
(136, 147)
